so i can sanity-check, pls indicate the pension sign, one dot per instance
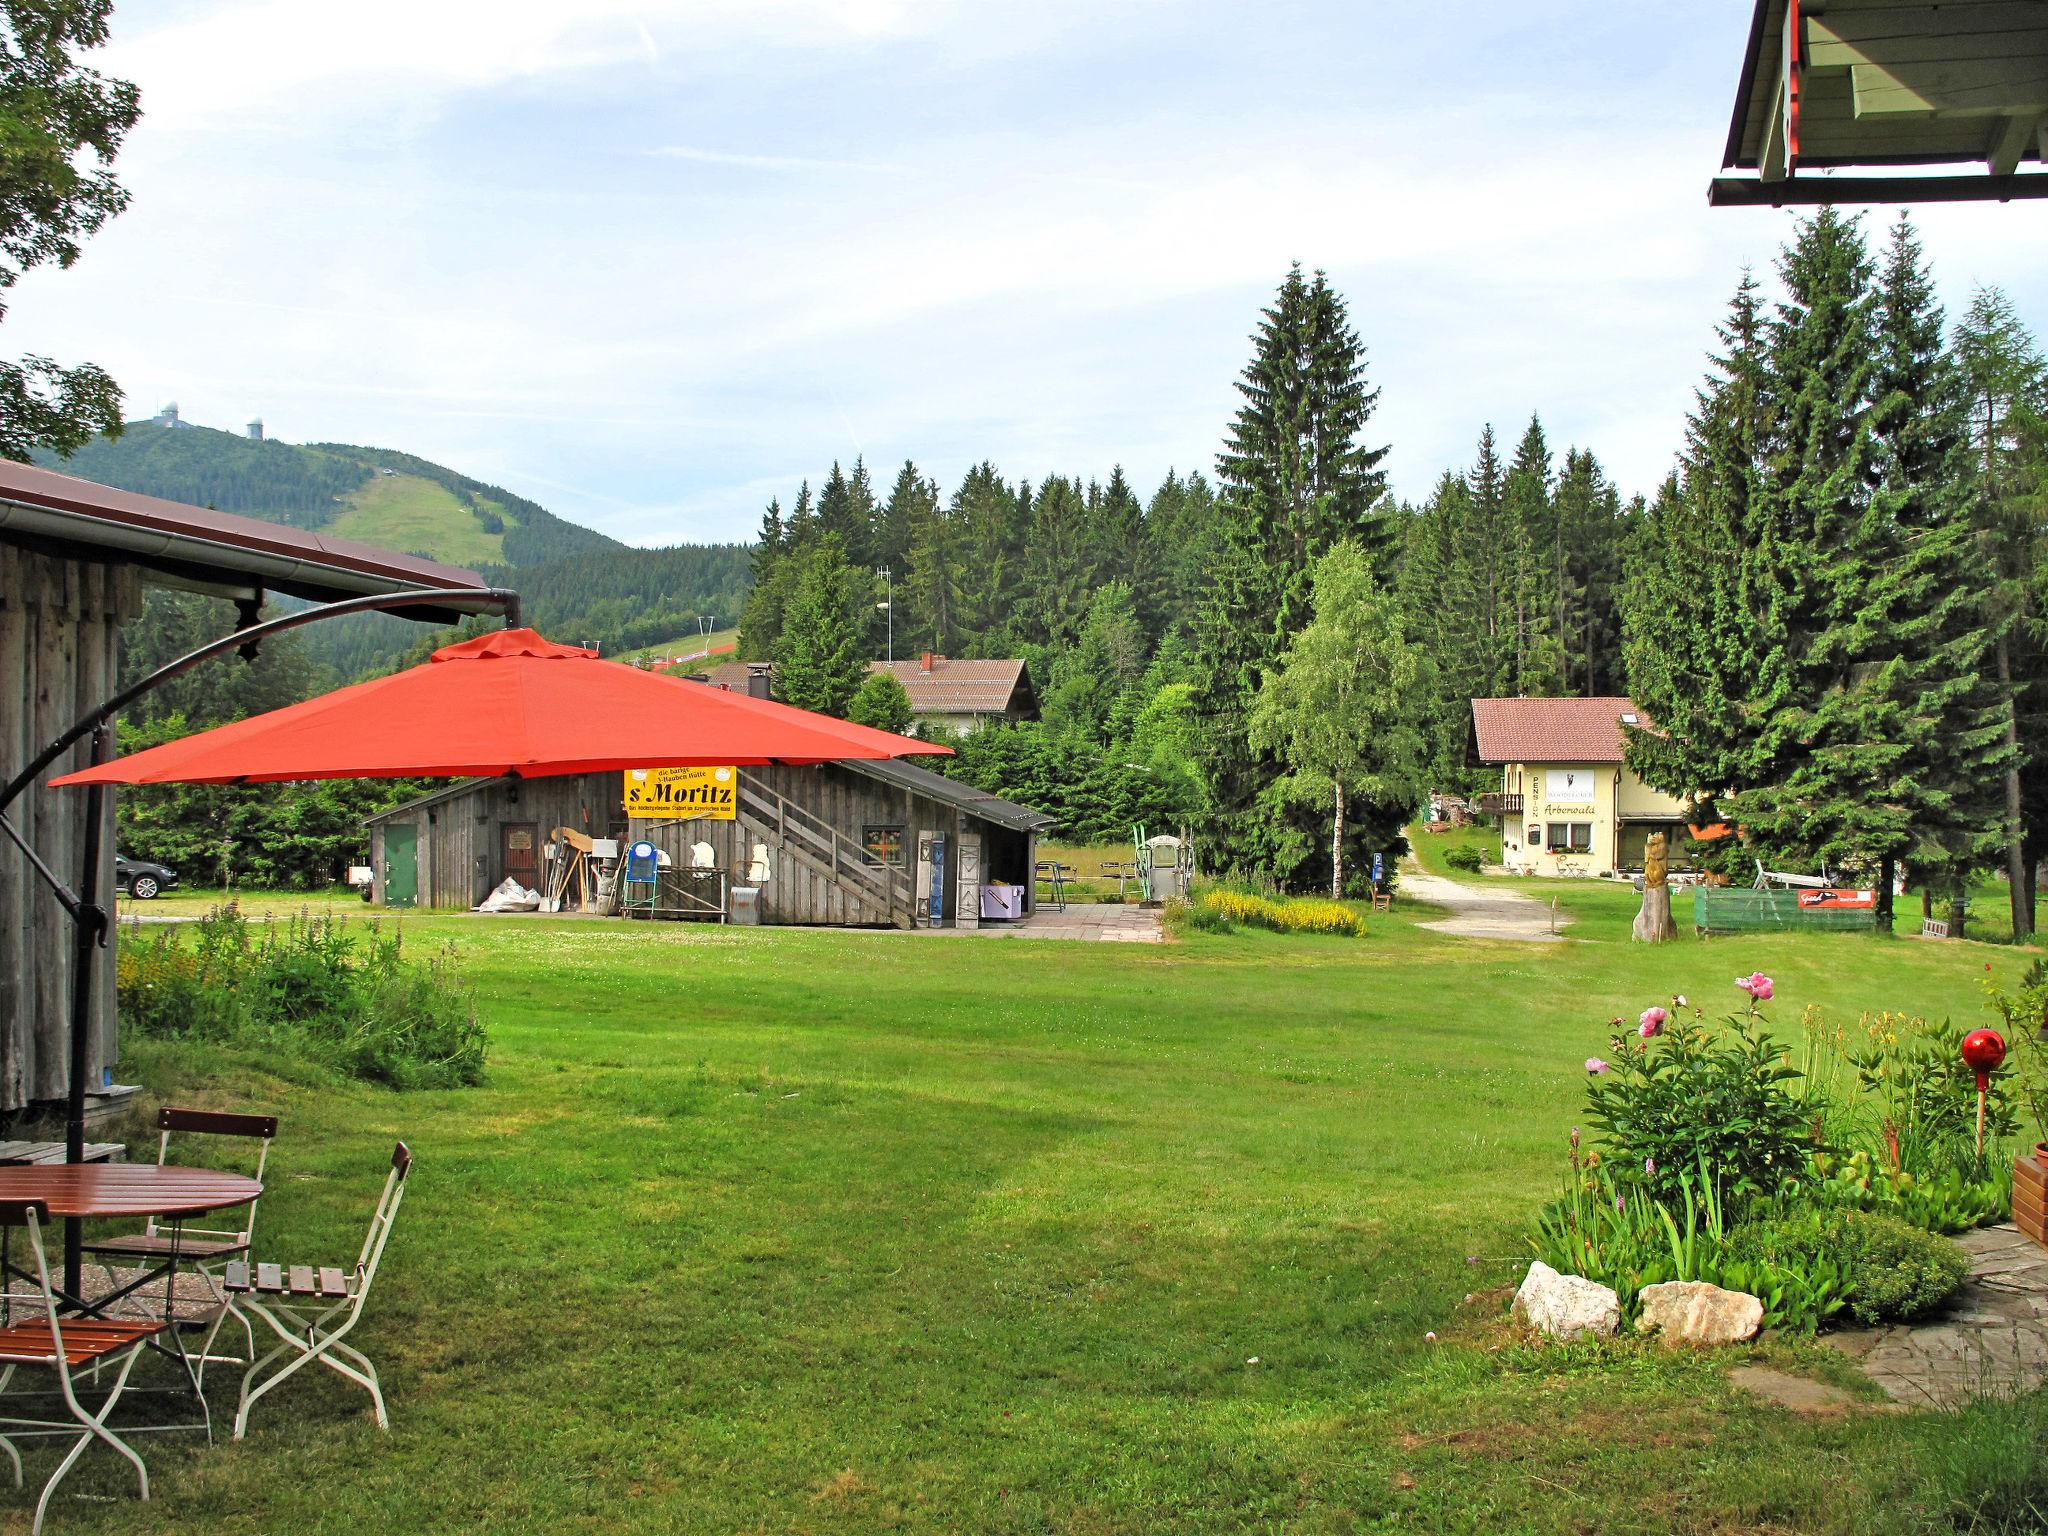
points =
(683, 794)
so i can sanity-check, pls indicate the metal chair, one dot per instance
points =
(202, 1247)
(60, 1344)
(278, 1294)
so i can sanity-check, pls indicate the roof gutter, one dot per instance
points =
(181, 554)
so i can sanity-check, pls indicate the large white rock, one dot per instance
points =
(1694, 1312)
(1566, 1306)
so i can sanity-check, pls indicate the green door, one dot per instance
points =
(401, 866)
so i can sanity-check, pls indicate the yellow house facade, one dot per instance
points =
(1569, 807)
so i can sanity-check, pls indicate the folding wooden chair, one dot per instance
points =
(312, 1310)
(201, 1247)
(62, 1344)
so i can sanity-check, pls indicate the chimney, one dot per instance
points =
(759, 675)
(924, 663)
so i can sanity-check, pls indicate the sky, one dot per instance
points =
(650, 264)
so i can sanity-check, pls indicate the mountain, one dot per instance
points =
(372, 495)
(576, 584)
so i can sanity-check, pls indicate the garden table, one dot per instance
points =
(77, 1191)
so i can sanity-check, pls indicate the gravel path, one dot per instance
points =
(1479, 913)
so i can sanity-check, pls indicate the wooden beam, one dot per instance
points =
(1923, 33)
(1973, 87)
(1740, 192)
(1771, 157)
(2011, 141)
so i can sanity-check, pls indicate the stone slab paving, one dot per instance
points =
(1104, 922)
(1993, 1337)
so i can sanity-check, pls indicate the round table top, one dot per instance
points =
(126, 1189)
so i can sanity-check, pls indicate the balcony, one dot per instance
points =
(1499, 805)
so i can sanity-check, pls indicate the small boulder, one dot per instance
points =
(1694, 1312)
(1567, 1306)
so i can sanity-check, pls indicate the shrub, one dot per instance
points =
(357, 1004)
(1198, 916)
(1681, 1094)
(1894, 1271)
(1464, 856)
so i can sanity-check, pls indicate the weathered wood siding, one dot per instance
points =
(460, 838)
(59, 655)
(456, 833)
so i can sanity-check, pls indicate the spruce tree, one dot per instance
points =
(2006, 380)
(1059, 565)
(908, 499)
(821, 654)
(1296, 476)
(1700, 646)
(1536, 659)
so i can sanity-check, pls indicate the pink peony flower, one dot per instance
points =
(1652, 1022)
(1595, 1065)
(1756, 984)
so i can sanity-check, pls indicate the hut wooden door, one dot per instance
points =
(401, 865)
(519, 852)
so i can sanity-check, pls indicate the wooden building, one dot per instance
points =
(74, 559)
(1896, 86)
(852, 844)
(945, 694)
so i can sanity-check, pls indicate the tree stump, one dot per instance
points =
(1653, 924)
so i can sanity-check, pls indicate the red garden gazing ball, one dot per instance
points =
(1983, 1050)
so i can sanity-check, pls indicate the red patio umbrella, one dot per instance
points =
(508, 702)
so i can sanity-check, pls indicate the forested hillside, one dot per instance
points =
(578, 583)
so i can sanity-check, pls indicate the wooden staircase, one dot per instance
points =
(878, 892)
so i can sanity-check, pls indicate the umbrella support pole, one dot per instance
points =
(89, 919)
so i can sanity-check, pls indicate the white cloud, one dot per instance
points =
(862, 228)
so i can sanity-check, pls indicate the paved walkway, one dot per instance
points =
(1992, 1338)
(1102, 921)
(1476, 912)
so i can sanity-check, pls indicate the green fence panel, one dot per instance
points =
(1725, 909)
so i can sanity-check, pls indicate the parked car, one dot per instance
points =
(141, 879)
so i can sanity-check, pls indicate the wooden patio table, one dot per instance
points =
(76, 1191)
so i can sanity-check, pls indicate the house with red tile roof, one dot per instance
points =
(1568, 804)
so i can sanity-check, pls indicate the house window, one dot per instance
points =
(1569, 837)
(886, 844)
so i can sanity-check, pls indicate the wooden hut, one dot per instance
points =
(852, 844)
(74, 559)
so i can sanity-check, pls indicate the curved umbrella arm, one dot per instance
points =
(502, 598)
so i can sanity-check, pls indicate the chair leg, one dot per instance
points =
(95, 1428)
(13, 1455)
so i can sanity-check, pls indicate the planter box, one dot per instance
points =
(2030, 1197)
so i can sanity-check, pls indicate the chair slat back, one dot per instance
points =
(15, 1213)
(216, 1122)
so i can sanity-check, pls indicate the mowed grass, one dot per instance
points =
(420, 517)
(787, 1231)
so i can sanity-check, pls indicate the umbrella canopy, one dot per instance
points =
(504, 703)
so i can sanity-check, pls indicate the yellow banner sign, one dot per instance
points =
(683, 793)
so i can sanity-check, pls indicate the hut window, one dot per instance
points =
(886, 844)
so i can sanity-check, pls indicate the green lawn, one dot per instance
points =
(786, 1231)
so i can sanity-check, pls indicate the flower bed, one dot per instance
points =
(1218, 911)
(1816, 1177)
